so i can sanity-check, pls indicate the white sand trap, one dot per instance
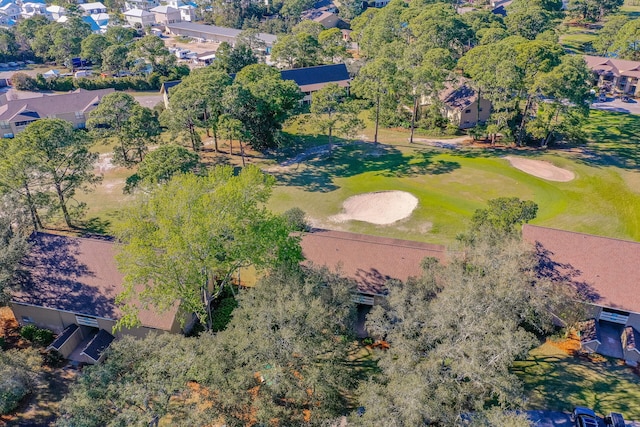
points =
(541, 169)
(383, 207)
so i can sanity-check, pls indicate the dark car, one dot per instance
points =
(626, 99)
(614, 420)
(584, 417)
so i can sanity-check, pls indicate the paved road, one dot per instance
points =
(560, 419)
(617, 105)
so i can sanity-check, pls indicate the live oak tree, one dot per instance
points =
(260, 100)
(63, 161)
(160, 165)
(133, 126)
(185, 242)
(135, 384)
(333, 113)
(284, 354)
(18, 376)
(455, 331)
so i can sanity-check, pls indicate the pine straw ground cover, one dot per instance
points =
(557, 377)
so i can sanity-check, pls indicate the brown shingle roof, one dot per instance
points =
(458, 96)
(78, 275)
(618, 67)
(79, 100)
(605, 270)
(370, 260)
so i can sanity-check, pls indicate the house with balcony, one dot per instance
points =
(606, 273)
(140, 17)
(617, 76)
(74, 107)
(165, 15)
(93, 8)
(9, 10)
(69, 285)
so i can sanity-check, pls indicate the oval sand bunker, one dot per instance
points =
(383, 207)
(541, 169)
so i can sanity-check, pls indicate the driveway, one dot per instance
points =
(560, 419)
(613, 104)
(149, 99)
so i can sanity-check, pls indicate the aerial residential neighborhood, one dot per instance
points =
(320, 213)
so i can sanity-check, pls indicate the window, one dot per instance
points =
(467, 111)
(87, 321)
(24, 123)
(480, 109)
(4, 124)
(7, 135)
(79, 115)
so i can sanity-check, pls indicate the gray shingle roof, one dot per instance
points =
(28, 109)
(213, 30)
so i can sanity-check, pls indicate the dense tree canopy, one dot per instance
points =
(186, 241)
(455, 331)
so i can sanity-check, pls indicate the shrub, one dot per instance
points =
(43, 337)
(297, 219)
(38, 336)
(367, 341)
(23, 81)
(28, 332)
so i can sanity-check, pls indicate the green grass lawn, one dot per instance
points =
(451, 184)
(554, 380)
(577, 39)
(604, 198)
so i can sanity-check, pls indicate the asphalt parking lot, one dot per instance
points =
(615, 104)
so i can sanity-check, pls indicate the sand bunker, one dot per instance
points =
(383, 207)
(541, 169)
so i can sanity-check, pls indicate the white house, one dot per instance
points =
(139, 16)
(31, 9)
(56, 12)
(187, 13)
(10, 10)
(165, 15)
(141, 4)
(93, 8)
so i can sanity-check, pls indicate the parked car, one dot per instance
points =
(626, 99)
(12, 64)
(584, 417)
(614, 419)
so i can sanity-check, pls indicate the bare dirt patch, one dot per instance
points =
(541, 169)
(104, 163)
(382, 208)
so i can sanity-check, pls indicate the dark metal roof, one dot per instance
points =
(98, 344)
(319, 74)
(64, 336)
(168, 85)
